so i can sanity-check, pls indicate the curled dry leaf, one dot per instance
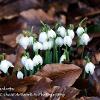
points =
(67, 93)
(89, 98)
(41, 89)
(15, 83)
(62, 74)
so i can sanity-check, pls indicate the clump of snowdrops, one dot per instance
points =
(53, 45)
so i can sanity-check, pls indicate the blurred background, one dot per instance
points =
(16, 15)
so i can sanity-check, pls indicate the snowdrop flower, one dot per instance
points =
(80, 30)
(50, 44)
(5, 65)
(51, 34)
(84, 39)
(24, 42)
(37, 46)
(61, 31)
(43, 37)
(62, 58)
(31, 40)
(20, 75)
(37, 60)
(23, 59)
(29, 64)
(71, 33)
(89, 68)
(18, 37)
(45, 45)
(67, 41)
(59, 41)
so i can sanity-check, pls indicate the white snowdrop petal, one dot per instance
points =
(62, 58)
(80, 30)
(67, 41)
(61, 31)
(37, 46)
(45, 45)
(51, 34)
(43, 37)
(29, 64)
(50, 44)
(59, 41)
(37, 60)
(18, 37)
(90, 68)
(84, 39)
(24, 42)
(5, 65)
(23, 60)
(20, 75)
(71, 33)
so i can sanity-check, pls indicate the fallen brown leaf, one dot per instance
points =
(62, 74)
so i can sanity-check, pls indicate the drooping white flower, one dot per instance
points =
(89, 68)
(61, 31)
(50, 44)
(24, 42)
(29, 64)
(67, 41)
(71, 33)
(45, 45)
(43, 37)
(18, 37)
(37, 46)
(84, 39)
(31, 40)
(4, 65)
(59, 41)
(51, 34)
(20, 75)
(62, 58)
(37, 60)
(80, 30)
(23, 59)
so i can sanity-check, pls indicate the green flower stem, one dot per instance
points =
(55, 52)
(36, 52)
(83, 52)
(31, 72)
(82, 21)
(67, 53)
(47, 56)
(59, 53)
(25, 71)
